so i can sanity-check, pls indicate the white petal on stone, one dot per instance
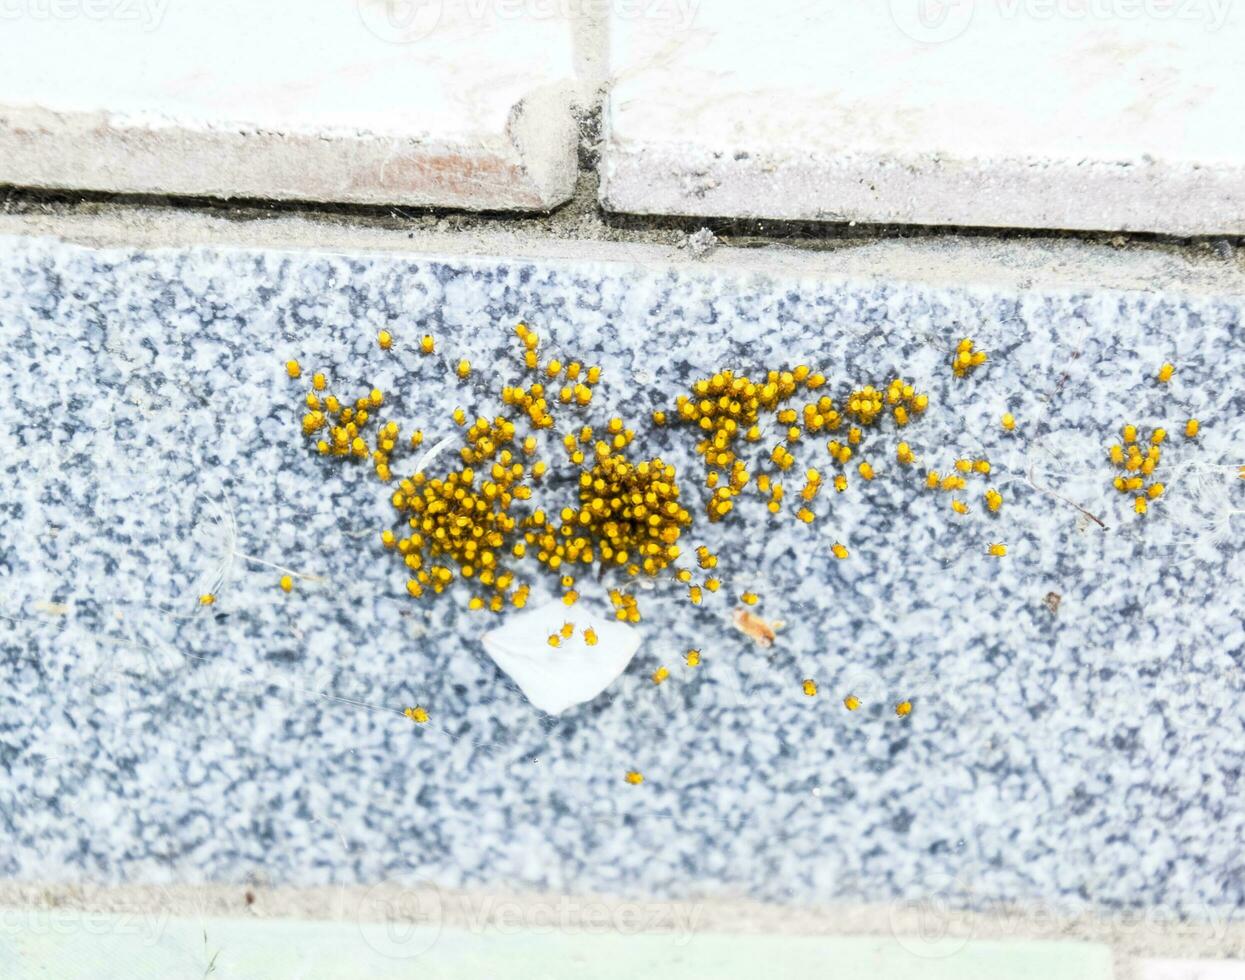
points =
(556, 678)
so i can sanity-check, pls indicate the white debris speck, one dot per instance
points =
(700, 243)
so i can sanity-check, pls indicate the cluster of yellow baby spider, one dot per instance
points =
(726, 407)
(625, 606)
(631, 511)
(461, 522)
(957, 480)
(578, 381)
(1137, 465)
(347, 425)
(967, 358)
(865, 404)
(629, 515)
(567, 631)
(463, 519)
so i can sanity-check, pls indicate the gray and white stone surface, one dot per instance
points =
(1087, 752)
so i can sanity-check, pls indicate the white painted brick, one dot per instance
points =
(1191, 970)
(1129, 115)
(465, 105)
